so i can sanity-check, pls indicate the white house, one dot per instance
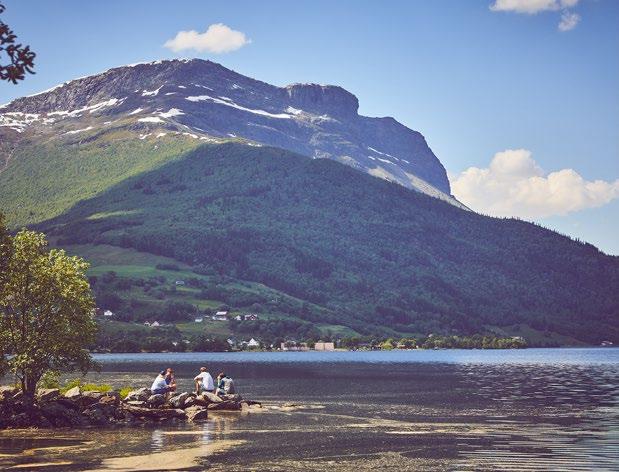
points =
(199, 320)
(253, 343)
(323, 346)
(108, 313)
(155, 324)
(220, 316)
(180, 282)
(146, 323)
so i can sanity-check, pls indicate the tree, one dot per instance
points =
(21, 58)
(46, 309)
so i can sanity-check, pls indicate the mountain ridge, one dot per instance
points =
(205, 98)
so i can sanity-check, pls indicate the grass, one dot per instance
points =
(85, 387)
(66, 174)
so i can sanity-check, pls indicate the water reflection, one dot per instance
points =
(475, 415)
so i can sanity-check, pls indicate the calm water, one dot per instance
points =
(536, 409)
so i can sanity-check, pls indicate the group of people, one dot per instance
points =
(165, 383)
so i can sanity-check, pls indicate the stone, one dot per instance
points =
(211, 397)
(178, 401)
(137, 403)
(225, 405)
(196, 413)
(73, 393)
(109, 400)
(200, 400)
(61, 416)
(234, 397)
(89, 398)
(141, 394)
(156, 401)
(68, 403)
(95, 417)
(7, 392)
(189, 401)
(158, 414)
(48, 394)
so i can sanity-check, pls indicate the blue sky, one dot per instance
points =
(475, 81)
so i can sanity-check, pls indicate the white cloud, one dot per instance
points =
(568, 21)
(515, 185)
(218, 38)
(531, 6)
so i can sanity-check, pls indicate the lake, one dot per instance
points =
(533, 409)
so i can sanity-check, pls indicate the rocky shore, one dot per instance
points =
(82, 409)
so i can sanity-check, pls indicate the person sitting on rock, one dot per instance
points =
(225, 385)
(204, 381)
(159, 385)
(170, 380)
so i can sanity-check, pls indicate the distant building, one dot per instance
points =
(253, 343)
(108, 313)
(146, 323)
(155, 324)
(199, 320)
(323, 346)
(218, 317)
(248, 317)
(221, 313)
(180, 282)
(293, 346)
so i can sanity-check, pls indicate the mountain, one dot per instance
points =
(207, 100)
(308, 243)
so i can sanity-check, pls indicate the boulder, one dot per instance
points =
(225, 405)
(68, 403)
(155, 401)
(93, 396)
(48, 394)
(200, 400)
(159, 414)
(211, 397)
(137, 403)
(234, 397)
(60, 416)
(141, 395)
(28, 419)
(95, 417)
(73, 393)
(196, 413)
(110, 400)
(178, 401)
(189, 401)
(99, 414)
(7, 392)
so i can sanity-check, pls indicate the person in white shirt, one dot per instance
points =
(204, 381)
(160, 386)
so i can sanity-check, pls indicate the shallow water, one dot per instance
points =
(535, 409)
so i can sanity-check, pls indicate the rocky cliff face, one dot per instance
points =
(206, 100)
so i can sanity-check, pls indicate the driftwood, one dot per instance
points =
(154, 413)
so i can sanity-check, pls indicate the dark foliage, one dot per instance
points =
(372, 255)
(20, 58)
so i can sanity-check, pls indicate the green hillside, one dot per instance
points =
(348, 249)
